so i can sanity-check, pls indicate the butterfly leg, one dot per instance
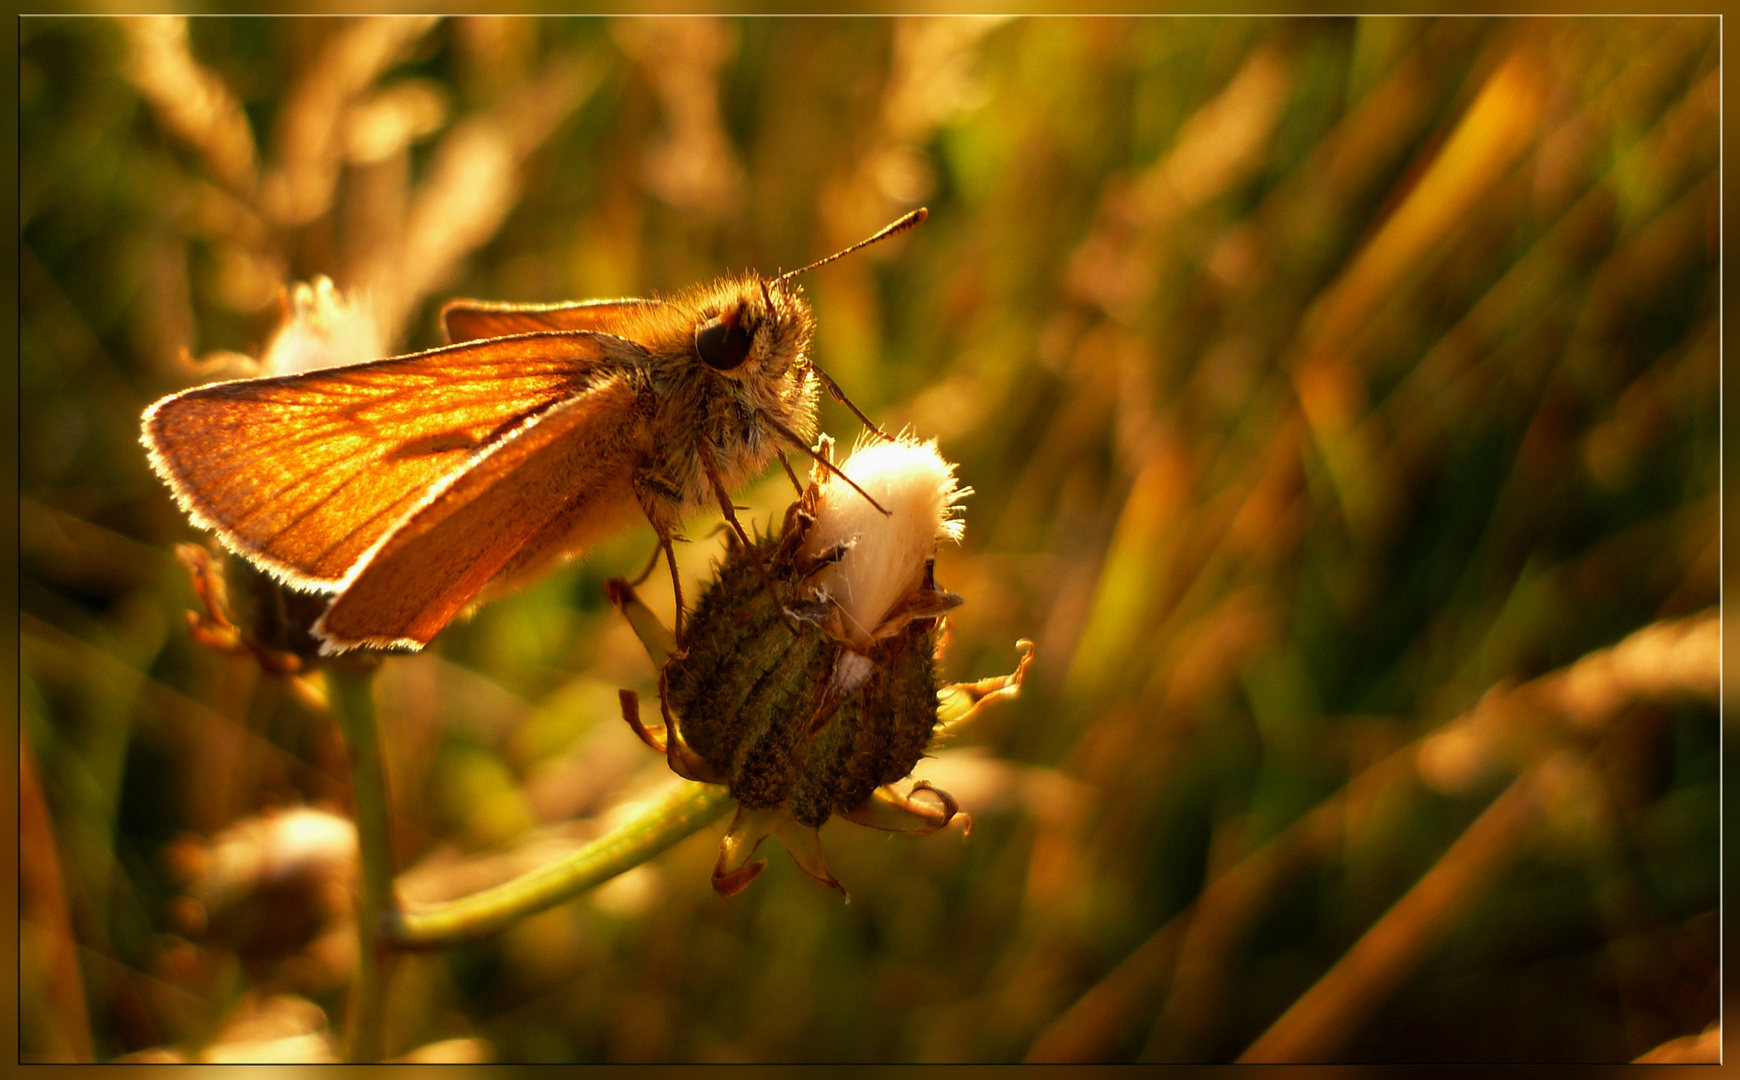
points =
(658, 501)
(728, 509)
(786, 465)
(676, 585)
(663, 547)
(730, 512)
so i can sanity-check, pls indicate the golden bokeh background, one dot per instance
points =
(1328, 387)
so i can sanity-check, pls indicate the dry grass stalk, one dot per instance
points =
(191, 101)
(339, 134)
(1663, 662)
(1320, 1021)
(44, 923)
(1666, 663)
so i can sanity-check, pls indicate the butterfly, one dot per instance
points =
(411, 487)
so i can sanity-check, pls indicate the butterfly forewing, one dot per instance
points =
(571, 466)
(469, 320)
(306, 473)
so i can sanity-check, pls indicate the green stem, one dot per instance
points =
(680, 812)
(353, 703)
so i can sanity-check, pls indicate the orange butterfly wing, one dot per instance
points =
(305, 474)
(546, 488)
(469, 320)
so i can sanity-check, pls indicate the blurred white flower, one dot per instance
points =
(323, 328)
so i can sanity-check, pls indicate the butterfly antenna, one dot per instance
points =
(792, 437)
(840, 396)
(906, 222)
(902, 224)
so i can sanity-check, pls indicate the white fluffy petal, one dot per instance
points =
(888, 553)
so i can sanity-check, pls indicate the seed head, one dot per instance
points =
(807, 683)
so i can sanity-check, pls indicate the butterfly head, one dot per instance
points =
(755, 326)
(752, 328)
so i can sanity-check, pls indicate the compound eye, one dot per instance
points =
(722, 342)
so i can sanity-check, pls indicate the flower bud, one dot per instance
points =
(807, 679)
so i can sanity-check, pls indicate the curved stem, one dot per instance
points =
(678, 813)
(353, 703)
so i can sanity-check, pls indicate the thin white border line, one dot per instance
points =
(1721, 525)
